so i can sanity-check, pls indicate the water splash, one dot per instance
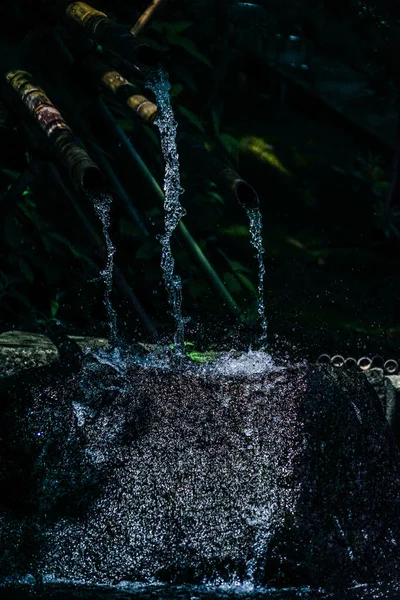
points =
(157, 80)
(255, 219)
(102, 204)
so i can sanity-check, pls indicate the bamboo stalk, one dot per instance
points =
(133, 156)
(113, 81)
(146, 16)
(114, 36)
(82, 169)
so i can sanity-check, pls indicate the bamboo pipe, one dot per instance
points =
(82, 169)
(113, 81)
(224, 176)
(146, 16)
(114, 36)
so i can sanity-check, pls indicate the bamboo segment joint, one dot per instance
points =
(83, 171)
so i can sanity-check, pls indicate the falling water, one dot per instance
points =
(255, 218)
(102, 204)
(157, 81)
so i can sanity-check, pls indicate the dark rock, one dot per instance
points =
(121, 472)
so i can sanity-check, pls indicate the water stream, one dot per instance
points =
(102, 204)
(158, 82)
(255, 219)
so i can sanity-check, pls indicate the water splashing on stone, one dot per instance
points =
(102, 204)
(255, 218)
(157, 81)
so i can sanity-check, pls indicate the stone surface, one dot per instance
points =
(124, 472)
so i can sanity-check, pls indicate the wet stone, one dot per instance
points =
(288, 476)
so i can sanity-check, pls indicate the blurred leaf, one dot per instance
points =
(10, 174)
(245, 281)
(238, 267)
(189, 81)
(176, 89)
(192, 118)
(127, 228)
(237, 231)
(126, 124)
(13, 232)
(175, 27)
(216, 196)
(230, 145)
(263, 152)
(156, 26)
(29, 209)
(190, 47)
(380, 187)
(14, 293)
(232, 283)
(216, 122)
(196, 288)
(26, 270)
(146, 251)
(54, 307)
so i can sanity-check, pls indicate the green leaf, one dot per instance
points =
(201, 357)
(127, 228)
(156, 26)
(10, 174)
(216, 121)
(230, 144)
(216, 196)
(192, 117)
(232, 283)
(238, 267)
(190, 47)
(26, 271)
(176, 26)
(237, 231)
(55, 305)
(185, 76)
(245, 281)
(146, 251)
(176, 89)
(126, 124)
(13, 231)
(196, 289)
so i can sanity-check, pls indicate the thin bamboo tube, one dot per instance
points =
(225, 177)
(146, 16)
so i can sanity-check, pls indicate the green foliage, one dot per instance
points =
(195, 355)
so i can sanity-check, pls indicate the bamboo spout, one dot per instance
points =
(82, 169)
(146, 16)
(114, 36)
(113, 81)
(225, 177)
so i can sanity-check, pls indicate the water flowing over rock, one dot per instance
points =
(289, 476)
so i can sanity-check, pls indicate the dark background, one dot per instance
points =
(317, 142)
